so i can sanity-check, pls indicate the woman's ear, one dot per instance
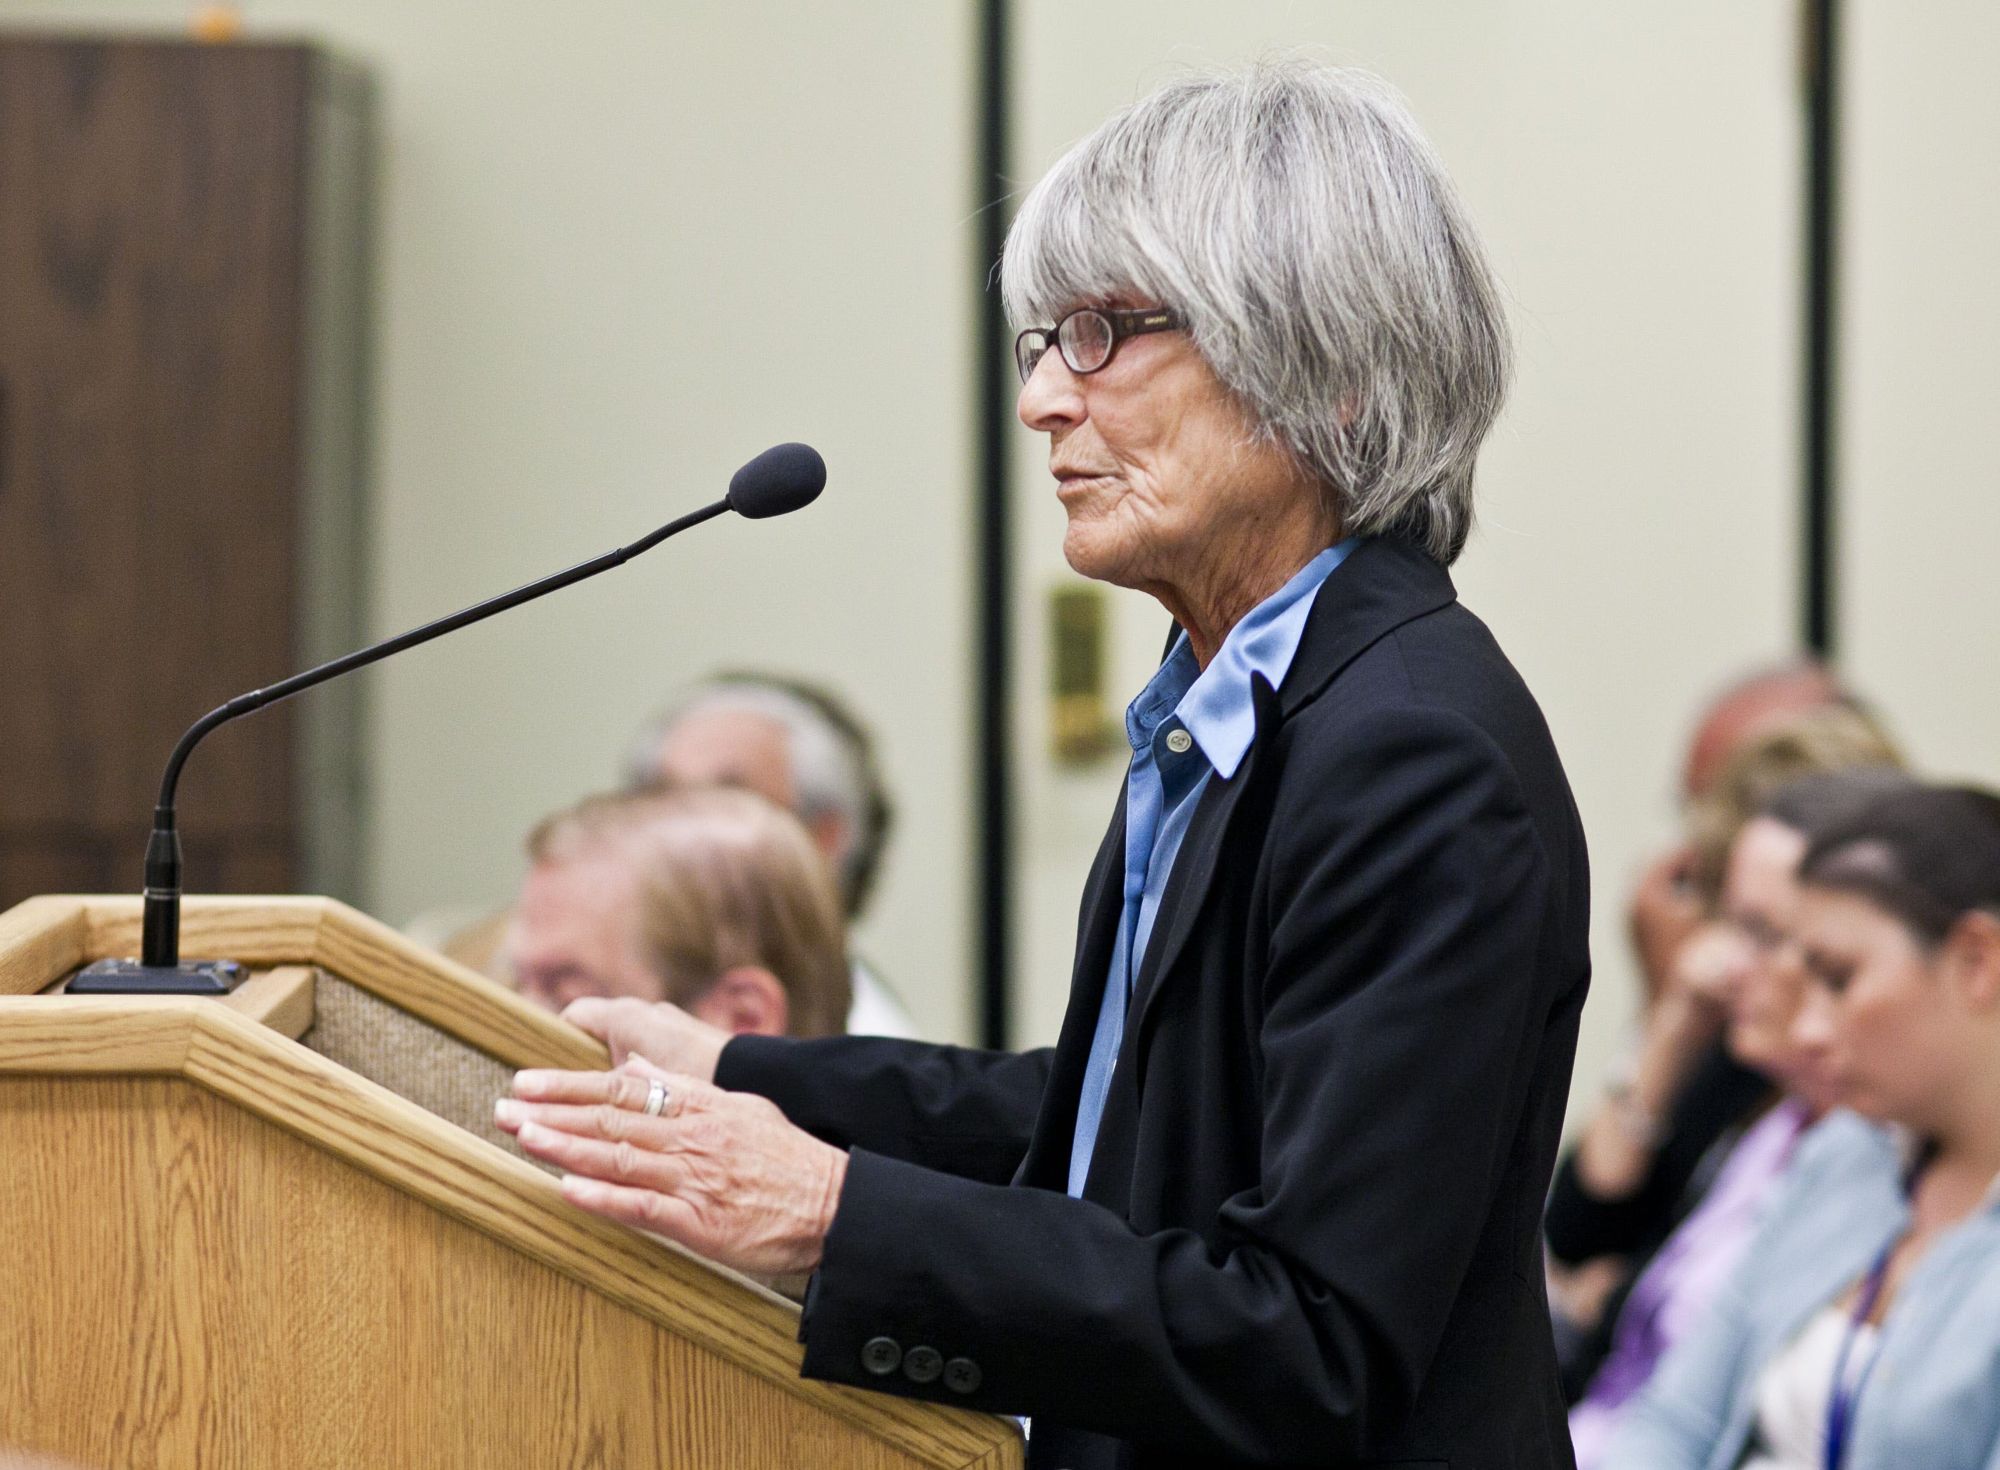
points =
(746, 1001)
(1972, 960)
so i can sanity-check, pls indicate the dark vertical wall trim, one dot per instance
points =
(1819, 608)
(995, 395)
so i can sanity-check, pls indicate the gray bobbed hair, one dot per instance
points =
(1299, 221)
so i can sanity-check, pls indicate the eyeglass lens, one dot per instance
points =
(1085, 337)
(1028, 350)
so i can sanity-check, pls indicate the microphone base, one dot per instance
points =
(129, 977)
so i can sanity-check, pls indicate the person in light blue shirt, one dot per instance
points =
(1863, 1330)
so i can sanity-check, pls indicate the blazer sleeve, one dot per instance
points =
(951, 1108)
(1408, 899)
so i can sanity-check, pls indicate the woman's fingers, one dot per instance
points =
(689, 1094)
(643, 1209)
(663, 1032)
(605, 1104)
(621, 1161)
(619, 1088)
(589, 1120)
(626, 1086)
(594, 1014)
(722, 1173)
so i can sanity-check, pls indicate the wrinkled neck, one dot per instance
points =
(1211, 599)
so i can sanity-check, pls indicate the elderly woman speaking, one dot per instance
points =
(1273, 1196)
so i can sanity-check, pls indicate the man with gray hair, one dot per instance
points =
(1273, 1196)
(799, 747)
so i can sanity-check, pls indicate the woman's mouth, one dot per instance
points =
(1072, 484)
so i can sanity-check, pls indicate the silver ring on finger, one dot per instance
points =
(656, 1099)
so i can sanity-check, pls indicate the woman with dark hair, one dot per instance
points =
(1684, 1096)
(1863, 1332)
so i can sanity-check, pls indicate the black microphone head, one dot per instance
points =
(784, 478)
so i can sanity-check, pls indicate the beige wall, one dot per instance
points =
(1920, 498)
(625, 245)
(1633, 171)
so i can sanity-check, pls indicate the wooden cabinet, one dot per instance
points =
(183, 272)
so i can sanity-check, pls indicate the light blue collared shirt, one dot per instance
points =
(1187, 725)
(1933, 1397)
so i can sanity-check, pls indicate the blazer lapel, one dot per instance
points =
(1385, 583)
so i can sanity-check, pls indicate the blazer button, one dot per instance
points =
(881, 1355)
(922, 1364)
(962, 1375)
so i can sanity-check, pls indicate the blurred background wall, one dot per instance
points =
(1920, 610)
(621, 246)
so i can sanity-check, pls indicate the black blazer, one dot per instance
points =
(1310, 1231)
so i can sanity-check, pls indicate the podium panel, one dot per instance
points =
(220, 1248)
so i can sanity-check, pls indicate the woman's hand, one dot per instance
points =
(1702, 983)
(663, 1034)
(1666, 908)
(721, 1173)
(1620, 1142)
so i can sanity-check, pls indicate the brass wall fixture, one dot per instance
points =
(1081, 730)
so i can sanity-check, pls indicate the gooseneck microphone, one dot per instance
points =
(784, 478)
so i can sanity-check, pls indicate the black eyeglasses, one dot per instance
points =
(1087, 338)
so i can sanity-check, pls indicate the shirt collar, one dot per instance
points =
(1215, 703)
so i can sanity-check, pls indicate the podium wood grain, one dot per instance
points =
(228, 1295)
(221, 1249)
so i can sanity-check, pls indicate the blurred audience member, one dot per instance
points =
(1763, 985)
(1838, 737)
(1679, 1099)
(711, 898)
(1666, 904)
(796, 745)
(1863, 1328)
(478, 944)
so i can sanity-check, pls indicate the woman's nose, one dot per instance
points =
(1813, 1023)
(1052, 398)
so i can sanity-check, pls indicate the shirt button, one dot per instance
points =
(1179, 742)
(881, 1355)
(923, 1364)
(962, 1375)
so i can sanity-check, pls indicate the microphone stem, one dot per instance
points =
(161, 926)
(256, 699)
(160, 929)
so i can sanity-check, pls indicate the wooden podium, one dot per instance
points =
(279, 1230)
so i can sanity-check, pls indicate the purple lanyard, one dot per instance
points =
(1842, 1399)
